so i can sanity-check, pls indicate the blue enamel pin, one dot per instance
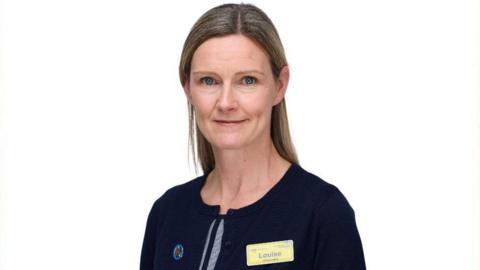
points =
(178, 252)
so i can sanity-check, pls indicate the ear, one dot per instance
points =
(281, 85)
(186, 90)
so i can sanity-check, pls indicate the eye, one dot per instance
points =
(207, 81)
(249, 80)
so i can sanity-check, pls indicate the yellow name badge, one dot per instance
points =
(270, 252)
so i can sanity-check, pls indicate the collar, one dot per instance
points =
(213, 210)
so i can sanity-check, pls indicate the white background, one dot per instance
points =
(383, 103)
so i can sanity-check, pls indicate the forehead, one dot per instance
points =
(229, 53)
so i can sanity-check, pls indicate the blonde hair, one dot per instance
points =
(252, 22)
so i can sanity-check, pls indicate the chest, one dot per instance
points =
(221, 243)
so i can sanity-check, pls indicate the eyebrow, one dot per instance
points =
(238, 73)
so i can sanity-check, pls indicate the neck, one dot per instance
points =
(241, 176)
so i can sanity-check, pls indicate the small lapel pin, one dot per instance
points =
(178, 252)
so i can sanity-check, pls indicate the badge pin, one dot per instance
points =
(178, 252)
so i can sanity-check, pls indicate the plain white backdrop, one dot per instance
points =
(383, 103)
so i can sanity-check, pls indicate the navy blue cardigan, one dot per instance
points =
(182, 232)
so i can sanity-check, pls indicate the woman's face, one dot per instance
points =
(232, 89)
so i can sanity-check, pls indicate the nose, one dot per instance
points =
(227, 100)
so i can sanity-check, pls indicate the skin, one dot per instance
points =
(233, 90)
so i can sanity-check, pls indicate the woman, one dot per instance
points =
(254, 207)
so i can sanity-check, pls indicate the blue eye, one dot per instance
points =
(207, 81)
(249, 80)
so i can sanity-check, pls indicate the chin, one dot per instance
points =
(229, 144)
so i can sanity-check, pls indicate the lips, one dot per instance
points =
(229, 122)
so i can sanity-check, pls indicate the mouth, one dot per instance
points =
(229, 123)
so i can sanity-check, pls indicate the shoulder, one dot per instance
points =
(177, 195)
(325, 197)
(334, 229)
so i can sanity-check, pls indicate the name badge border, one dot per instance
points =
(288, 244)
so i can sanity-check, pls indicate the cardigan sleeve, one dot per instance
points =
(339, 246)
(154, 221)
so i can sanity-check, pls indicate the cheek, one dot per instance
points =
(203, 105)
(259, 104)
